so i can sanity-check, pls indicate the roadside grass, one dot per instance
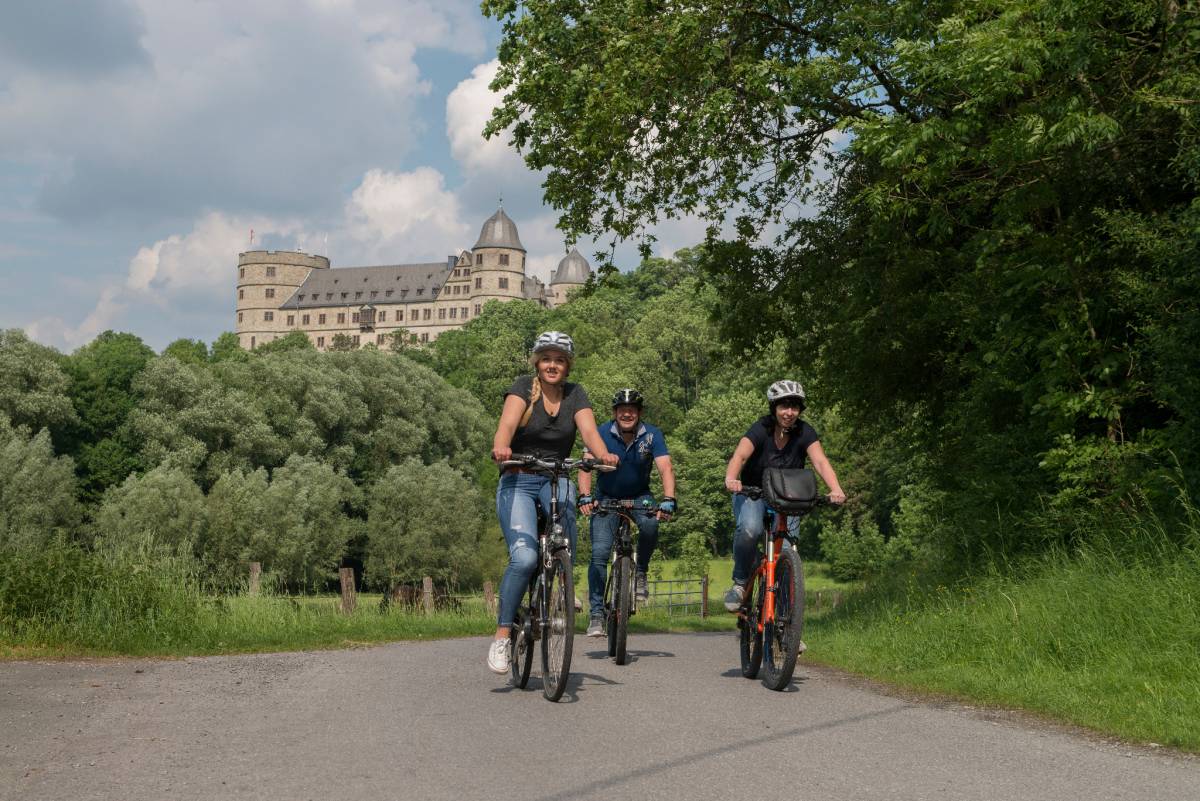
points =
(1107, 638)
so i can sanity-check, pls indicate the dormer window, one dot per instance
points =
(420, 290)
(358, 294)
(388, 293)
(345, 295)
(374, 293)
(301, 297)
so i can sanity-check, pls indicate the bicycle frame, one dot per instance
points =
(773, 540)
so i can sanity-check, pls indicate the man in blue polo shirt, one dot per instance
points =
(640, 446)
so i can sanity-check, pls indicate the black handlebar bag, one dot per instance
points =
(790, 490)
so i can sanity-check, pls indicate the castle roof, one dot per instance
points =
(499, 232)
(573, 269)
(357, 286)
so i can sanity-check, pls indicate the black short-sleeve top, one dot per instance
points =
(767, 455)
(545, 436)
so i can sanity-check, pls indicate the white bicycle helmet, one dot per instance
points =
(554, 340)
(785, 389)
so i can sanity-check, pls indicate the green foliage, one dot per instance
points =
(342, 343)
(192, 351)
(694, 556)
(160, 513)
(236, 517)
(227, 348)
(33, 385)
(292, 340)
(37, 492)
(422, 520)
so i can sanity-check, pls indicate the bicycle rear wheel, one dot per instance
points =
(782, 635)
(559, 633)
(520, 635)
(622, 604)
(750, 639)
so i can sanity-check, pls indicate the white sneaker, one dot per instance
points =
(499, 656)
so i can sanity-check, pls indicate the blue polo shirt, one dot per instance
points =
(631, 479)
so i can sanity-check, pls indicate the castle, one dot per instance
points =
(281, 291)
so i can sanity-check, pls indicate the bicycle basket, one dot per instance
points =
(789, 490)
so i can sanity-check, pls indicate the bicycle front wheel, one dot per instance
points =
(622, 605)
(782, 635)
(750, 639)
(559, 633)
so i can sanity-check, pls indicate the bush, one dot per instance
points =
(37, 494)
(159, 513)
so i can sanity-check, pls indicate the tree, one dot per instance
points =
(227, 348)
(37, 493)
(341, 343)
(192, 351)
(235, 517)
(33, 386)
(292, 340)
(422, 520)
(158, 512)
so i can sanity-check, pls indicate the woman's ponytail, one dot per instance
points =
(535, 394)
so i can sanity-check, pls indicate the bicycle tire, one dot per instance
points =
(750, 639)
(623, 603)
(610, 610)
(520, 635)
(782, 637)
(559, 633)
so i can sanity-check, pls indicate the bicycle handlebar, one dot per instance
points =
(555, 465)
(628, 505)
(756, 493)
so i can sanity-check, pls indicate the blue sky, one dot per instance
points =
(142, 140)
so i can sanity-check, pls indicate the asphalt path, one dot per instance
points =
(426, 720)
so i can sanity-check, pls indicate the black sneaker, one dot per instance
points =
(641, 591)
(595, 626)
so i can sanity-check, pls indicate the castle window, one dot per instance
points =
(522, 262)
(477, 307)
(479, 258)
(504, 283)
(341, 318)
(271, 271)
(251, 343)
(354, 317)
(420, 290)
(383, 316)
(427, 314)
(441, 314)
(328, 296)
(304, 318)
(400, 315)
(291, 319)
(241, 294)
(388, 293)
(379, 339)
(504, 259)
(425, 337)
(454, 313)
(302, 297)
(270, 292)
(403, 293)
(356, 340)
(241, 272)
(374, 293)
(269, 316)
(345, 295)
(466, 271)
(464, 312)
(320, 342)
(358, 294)
(239, 317)
(320, 319)
(479, 283)
(456, 273)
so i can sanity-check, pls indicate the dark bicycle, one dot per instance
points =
(620, 586)
(771, 618)
(549, 611)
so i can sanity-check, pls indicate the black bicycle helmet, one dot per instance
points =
(627, 397)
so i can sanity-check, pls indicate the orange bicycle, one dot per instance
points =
(771, 617)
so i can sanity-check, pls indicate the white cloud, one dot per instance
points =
(468, 108)
(409, 216)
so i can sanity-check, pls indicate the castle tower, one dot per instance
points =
(572, 272)
(498, 269)
(266, 278)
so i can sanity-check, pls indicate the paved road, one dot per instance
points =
(426, 720)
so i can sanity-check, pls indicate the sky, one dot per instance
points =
(141, 141)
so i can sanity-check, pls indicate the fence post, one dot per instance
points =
(427, 594)
(255, 577)
(489, 596)
(704, 596)
(349, 599)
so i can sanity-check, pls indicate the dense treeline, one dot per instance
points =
(286, 456)
(997, 282)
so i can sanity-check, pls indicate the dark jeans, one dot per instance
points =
(604, 530)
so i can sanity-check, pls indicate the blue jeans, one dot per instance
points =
(748, 532)
(604, 530)
(517, 500)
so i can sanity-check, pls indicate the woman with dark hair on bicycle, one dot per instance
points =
(541, 415)
(778, 439)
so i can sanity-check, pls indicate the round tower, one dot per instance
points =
(267, 278)
(572, 272)
(498, 262)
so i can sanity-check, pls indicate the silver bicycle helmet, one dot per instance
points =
(554, 340)
(785, 389)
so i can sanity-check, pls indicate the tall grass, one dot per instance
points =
(1106, 636)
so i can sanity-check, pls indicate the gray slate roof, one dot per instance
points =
(499, 232)
(573, 269)
(352, 286)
